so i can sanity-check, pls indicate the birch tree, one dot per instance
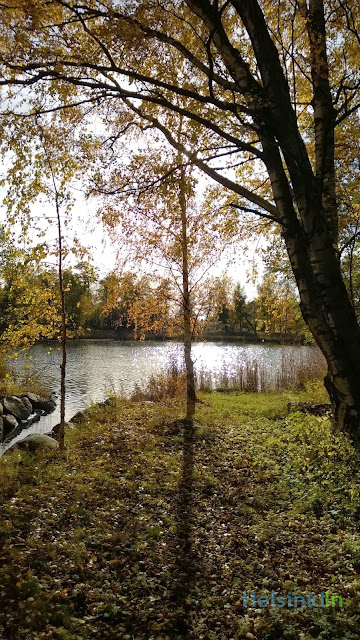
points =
(153, 212)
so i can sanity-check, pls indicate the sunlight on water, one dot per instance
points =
(97, 368)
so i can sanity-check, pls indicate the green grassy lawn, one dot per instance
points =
(143, 532)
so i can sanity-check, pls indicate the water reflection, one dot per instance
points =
(96, 368)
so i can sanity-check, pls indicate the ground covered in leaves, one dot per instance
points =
(144, 530)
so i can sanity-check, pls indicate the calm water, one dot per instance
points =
(96, 368)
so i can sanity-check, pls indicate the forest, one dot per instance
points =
(136, 306)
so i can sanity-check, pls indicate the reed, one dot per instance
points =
(252, 377)
(255, 376)
(169, 383)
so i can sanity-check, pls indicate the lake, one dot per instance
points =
(97, 368)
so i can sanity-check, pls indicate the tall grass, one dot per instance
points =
(169, 383)
(14, 382)
(298, 373)
(9, 383)
(251, 376)
(246, 377)
(255, 377)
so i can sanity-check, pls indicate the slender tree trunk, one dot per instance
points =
(190, 378)
(63, 335)
(62, 299)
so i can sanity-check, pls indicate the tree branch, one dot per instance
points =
(255, 212)
(226, 182)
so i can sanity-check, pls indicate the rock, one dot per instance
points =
(78, 417)
(36, 441)
(14, 431)
(1, 428)
(10, 435)
(55, 431)
(33, 398)
(319, 409)
(1, 409)
(15, 406)
(34, 418)
(9, 421)
(27, 403)
(39, 403)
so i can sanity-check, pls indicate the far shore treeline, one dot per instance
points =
(127, 305)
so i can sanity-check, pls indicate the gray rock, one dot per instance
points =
(1, 409)
(1, 428)
(10, 435)
(78, 417)
(27, 403)
(9, 421)
(32, 397)
(55, 431)
(36, 441)
(14, 431)
(15, 406)
(39, 403)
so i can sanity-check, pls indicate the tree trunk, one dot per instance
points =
(190, 378)
(306, 203)
(63, 336)
(62, 298)
(328, 312)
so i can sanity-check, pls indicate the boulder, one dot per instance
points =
(35, 418)
(10, 435)
(36, 441)
(78, 417)
(32, 397)
(11, 432)
(15, 406)
(39, 403)
(9, 421)
(55, 431)
(27, 403)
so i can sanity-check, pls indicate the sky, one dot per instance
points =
(89, 231)
(104, 257)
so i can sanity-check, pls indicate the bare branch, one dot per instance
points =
(256, 212)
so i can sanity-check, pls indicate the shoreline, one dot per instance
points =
(260, 337)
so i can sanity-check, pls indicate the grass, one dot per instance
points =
(170, 383)
(144, 531)
(15, 383)
(8, 382)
